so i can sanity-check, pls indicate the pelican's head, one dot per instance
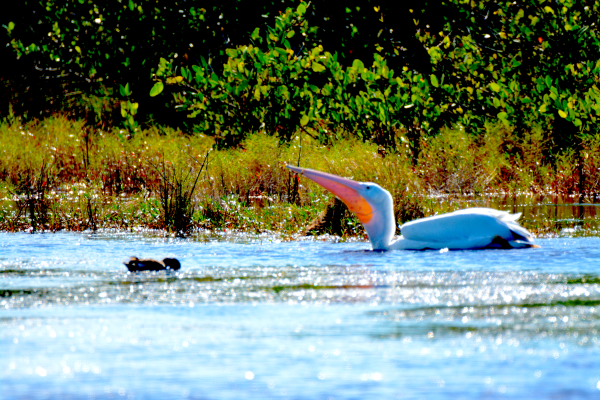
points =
(371, 203)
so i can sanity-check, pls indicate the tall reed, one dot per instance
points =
(176, 188)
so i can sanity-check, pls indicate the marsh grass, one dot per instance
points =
(30, 191)
(176, 188)
(59, 174)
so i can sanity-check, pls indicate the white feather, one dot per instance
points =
(470, 228)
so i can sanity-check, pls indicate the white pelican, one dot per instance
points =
(471, 228)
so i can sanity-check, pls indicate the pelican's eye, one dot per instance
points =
(368, 187)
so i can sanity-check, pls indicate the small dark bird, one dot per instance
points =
(135, 264)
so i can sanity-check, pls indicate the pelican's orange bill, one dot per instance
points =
(346, 190)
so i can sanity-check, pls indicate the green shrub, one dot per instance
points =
(274, 68)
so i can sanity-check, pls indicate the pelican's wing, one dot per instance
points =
(465, 229)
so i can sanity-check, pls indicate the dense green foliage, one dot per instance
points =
(524, 78)
(527, 64)
(87, 57)
(91, 57)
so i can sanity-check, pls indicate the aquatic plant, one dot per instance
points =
(30, 191)
(176, 188)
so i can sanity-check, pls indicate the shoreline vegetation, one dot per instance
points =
(58, 174)
(182, 117)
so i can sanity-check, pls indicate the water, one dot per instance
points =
(256, 317)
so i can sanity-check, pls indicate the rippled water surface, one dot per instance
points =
(255, 317)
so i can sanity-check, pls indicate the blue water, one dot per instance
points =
(257, 317)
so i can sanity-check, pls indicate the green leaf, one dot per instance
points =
(131, 5)
(301, 9)
(124, 90)
(157, 89)
(502, 116)
(358, 65)
(495, 87)
(317, 67)
(562, 113)
(304, 120)
(291, 34)
(434, 80)
(474, 66)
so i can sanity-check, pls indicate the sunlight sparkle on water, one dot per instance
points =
(250, 317)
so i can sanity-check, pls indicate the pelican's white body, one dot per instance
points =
(471, 228)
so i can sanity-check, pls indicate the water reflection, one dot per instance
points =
(567, 215)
